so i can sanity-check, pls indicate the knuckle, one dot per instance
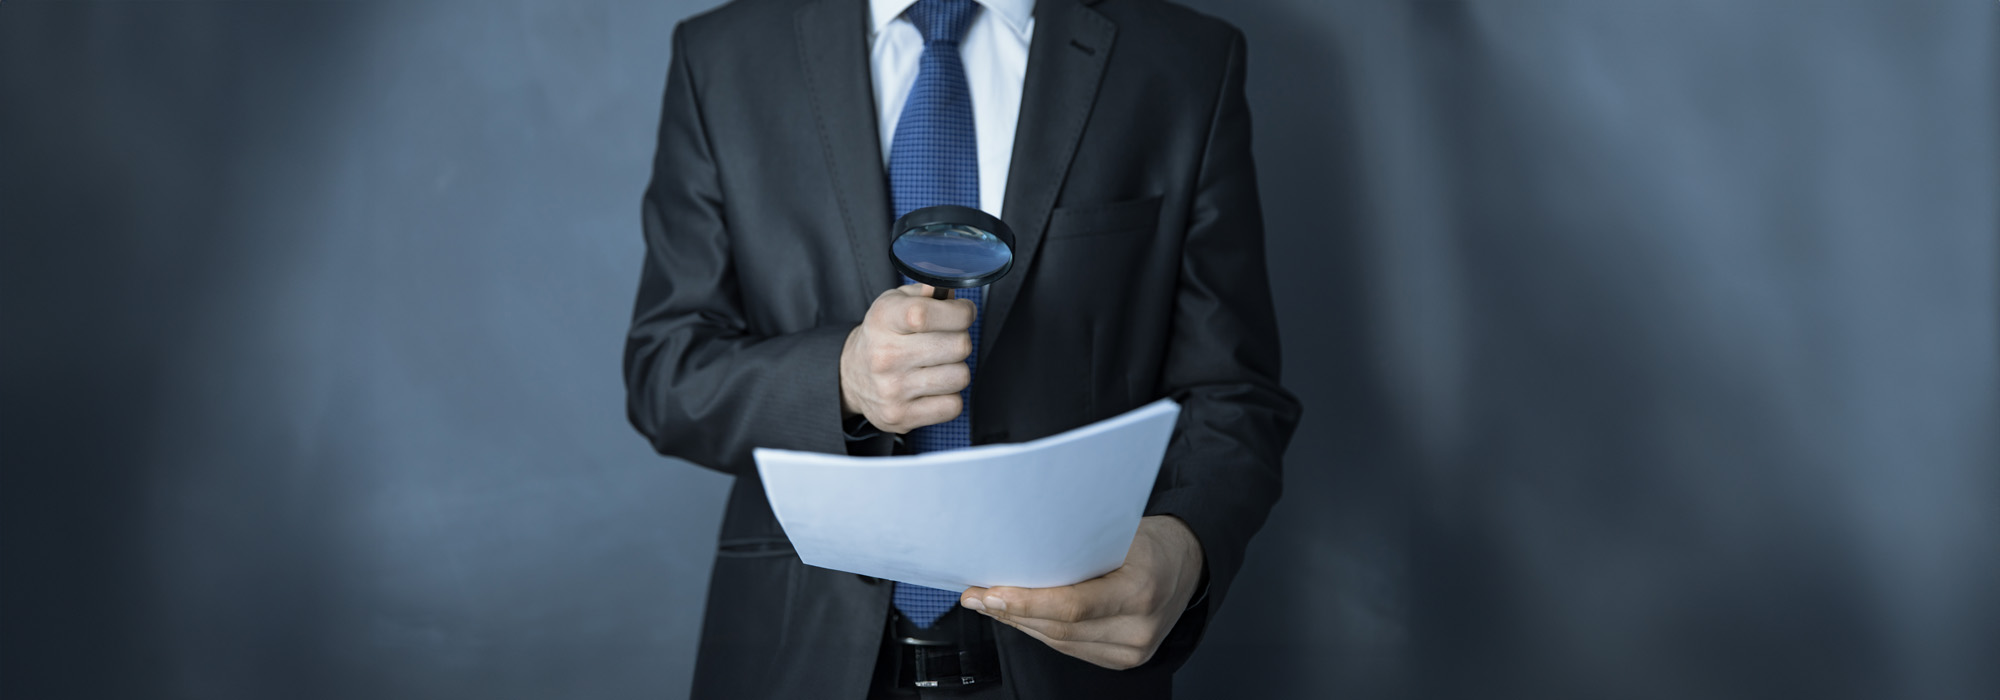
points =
(1069, 611)
(914, 316)
(882, 360)
(894, 414)
(878, 311)
(961, 346)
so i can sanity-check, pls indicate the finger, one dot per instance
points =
(899, 309)
(922, 315)
(1117, 657)
(904, 416)
(1099, 597)
(948, 315)
(936, 381)
(903, 314)
(1122, 630)
(932, 410)
(896, 297)
(938, 349)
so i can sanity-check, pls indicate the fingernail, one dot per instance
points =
(996, 603)
(973, 604)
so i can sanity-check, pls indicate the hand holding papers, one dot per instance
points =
(1052, 512)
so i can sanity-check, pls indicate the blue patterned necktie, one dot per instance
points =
(933, 160)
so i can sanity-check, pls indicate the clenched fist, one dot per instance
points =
(903, 367)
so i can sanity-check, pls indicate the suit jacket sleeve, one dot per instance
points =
(700, 384)
(1221, 474)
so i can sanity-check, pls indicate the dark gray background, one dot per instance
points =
(1649, 350)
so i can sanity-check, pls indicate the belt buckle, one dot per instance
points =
(948, 667)
(931, 659)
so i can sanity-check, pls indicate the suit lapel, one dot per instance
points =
(833, 43)
(1066, 60)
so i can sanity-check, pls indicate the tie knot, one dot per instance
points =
(942, 21)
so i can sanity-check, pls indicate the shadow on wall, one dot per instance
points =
(1318, 609)
(1665, 334)
(334, 408)
(121, 185)
(1706, 447)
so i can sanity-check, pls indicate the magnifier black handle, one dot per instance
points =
(940, 293)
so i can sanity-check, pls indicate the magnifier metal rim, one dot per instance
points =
(954, 215)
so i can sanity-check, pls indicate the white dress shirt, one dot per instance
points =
(995, 53)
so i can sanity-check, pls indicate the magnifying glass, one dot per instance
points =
(951, 247)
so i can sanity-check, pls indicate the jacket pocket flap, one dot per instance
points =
(1077, 221)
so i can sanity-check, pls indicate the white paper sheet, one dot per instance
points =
(1052, 512)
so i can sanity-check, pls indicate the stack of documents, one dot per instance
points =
(1052, 512)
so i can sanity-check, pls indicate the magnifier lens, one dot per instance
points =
(952, 251)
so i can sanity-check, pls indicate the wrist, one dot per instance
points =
(1186, 547)
(847, 407)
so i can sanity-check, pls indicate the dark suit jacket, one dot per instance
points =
(1139, 274)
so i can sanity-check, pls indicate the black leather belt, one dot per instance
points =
(955, 652)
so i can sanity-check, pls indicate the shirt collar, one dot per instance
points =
(1014, 13)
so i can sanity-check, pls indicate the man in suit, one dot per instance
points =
(1113, 137)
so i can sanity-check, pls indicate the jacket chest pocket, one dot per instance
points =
(1083, 221)
(1095, 252)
